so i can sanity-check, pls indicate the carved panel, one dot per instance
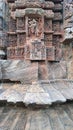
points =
(21, 39)
(38, 51)
(56, 40)
(12, 25)
(21, 23)
(11, 53)
(20, 52)
(48, 25)
(12, 40)
(35, 27)
(27, 52)
(48, 39)
(58, 53)
(50, 53)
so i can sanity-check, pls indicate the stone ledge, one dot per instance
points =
(40, 94)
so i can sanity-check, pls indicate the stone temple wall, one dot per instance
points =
(33, 25)
(33, 42)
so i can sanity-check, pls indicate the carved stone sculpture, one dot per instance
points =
(32, 21)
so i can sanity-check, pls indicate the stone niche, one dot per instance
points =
(35, 49)
(12, 24)
(21, 23)
(21, 38)
(38, 51)
(35, 27)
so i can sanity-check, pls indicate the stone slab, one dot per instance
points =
(19, 70)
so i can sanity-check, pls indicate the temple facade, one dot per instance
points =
(33, 41)
(38, 64)
(35, 30)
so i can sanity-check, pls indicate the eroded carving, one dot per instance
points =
(48, 39)
(38, 51)
(12, 40)
(48, 25)
(21, 39)
(34, 27)
(50, 52)
(21, 23)
(37, 27)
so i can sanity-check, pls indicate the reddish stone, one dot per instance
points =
(50, 52)
(35, 30)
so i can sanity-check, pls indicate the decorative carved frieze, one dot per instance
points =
(28, 11)
(34, 11)
(32, 4)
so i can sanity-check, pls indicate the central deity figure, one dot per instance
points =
(33, 27)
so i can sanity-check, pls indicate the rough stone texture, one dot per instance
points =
(18, 70)
(44, 92)
(52, 70)
(51, 118)
(27, 72)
